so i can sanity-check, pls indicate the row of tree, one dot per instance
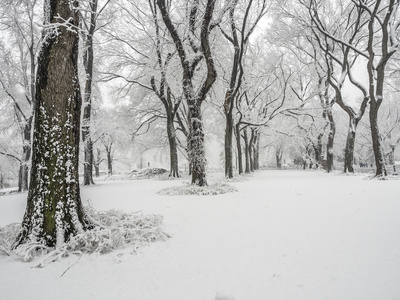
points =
(274, 58)
(255, 62)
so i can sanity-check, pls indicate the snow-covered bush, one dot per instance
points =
(166, 177)
(114, 230)
(8, 235)
(147, 173)
(189, 189)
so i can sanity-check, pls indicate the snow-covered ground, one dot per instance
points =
(282, 235)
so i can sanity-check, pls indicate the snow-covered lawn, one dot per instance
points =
(282, 235)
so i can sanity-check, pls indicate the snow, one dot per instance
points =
(282, 235)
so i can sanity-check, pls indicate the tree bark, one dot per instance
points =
(278, 155)
(376, 140)
(23, 177)
(54, 210)
(349, 148)
(331, 138)
(173, 151)
(228, 144)
(196, 147)
(257, 151)
(246, 151)
(97, 164)
(250, 150)
(239, 148)
(109, 159)
(318, 150)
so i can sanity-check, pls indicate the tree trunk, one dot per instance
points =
(23, 176)
(331, 138)
(88, 161)
(97, 164)
(54, 210)
(228, 145)
(246, 151)
(349, 149)
(173, 151)
(257, 152)
(239, 149)
(88, 59)
(318, 150)
(196, 147)
(251, 152)
(109, 161)
(97, 170)
(279, 155)
(376, 140)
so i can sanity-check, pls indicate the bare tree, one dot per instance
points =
(18, 23)
(164, 93)
(190, 57)
(238, 35)
(377, 44)
(89, 26)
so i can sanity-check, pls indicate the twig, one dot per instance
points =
(71, 266)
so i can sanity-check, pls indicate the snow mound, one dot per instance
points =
(223, 296)
(146, 173)
(166, 177)
(238, 178)
(189, 189)
(382, 177)
(114, 230)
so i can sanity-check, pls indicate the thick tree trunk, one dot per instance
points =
(239, 148)
(349, 148)
(376, 140)
(349, 152)
(318, 150)
(54, 210)
(196, 147)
